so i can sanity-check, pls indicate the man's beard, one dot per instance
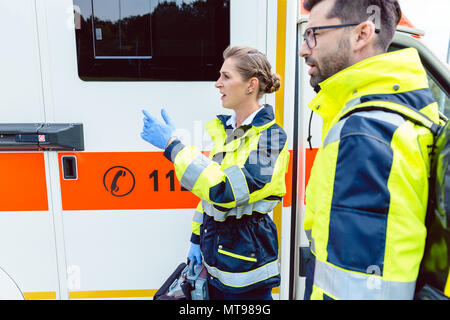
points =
(331, 64)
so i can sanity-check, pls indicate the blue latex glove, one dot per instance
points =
(156, 132)
(195, 254)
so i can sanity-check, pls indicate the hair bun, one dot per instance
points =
(252, 63)
(273, 83)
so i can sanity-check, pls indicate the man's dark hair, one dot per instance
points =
(352, 11)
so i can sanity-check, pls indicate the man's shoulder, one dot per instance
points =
(376, 124)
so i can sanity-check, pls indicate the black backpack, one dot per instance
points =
(434, 271)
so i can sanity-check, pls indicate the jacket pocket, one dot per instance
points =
(223, 251)
(208, 240)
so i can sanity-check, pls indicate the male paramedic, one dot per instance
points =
(367, 196)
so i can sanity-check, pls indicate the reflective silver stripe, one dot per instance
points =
(238, 184)
(393, 118)
(198, 217)
(262, 206)
(352, 103)
(243, 279)
(312, 245)
(175, 150)
(309, 234)
(194, 170)
(335, 133)
(348, 285)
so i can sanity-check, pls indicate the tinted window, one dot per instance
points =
(132, 40)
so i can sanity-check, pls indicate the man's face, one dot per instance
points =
(332, 52)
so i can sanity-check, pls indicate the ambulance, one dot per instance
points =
(88, 209)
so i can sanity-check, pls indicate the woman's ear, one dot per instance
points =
(253, 84)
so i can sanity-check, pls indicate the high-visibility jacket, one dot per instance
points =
(367, 196)
(239, 184)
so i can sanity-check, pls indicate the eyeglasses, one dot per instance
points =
(310, 34)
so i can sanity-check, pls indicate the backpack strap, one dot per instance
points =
(443, 118)
(408, 112)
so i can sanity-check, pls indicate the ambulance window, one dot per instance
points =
(440, 96)
(151, 40)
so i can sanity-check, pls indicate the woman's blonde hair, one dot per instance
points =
(252, 63)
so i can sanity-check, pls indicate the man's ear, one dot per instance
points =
(364, 35)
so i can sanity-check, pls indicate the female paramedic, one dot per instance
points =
(239, 184)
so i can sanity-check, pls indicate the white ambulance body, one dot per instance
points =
(91, 211)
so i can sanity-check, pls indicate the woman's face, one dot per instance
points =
(233, 89)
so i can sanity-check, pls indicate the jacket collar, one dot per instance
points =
(232, 121)
(218, 129)
(262, 118)
(388, 73)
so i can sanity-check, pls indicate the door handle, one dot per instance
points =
(69, 167)
(41, 137)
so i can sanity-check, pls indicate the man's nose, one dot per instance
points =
(304, 50)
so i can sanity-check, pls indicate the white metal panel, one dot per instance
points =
(10, 290)
(27, 250)
(20, 84)
(248, 23)
(27, 244)
(271, 44)
(54, 195)
(289, 106)
(125, 250)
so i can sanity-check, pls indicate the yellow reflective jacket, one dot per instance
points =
(367, 196)
(239, 184)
